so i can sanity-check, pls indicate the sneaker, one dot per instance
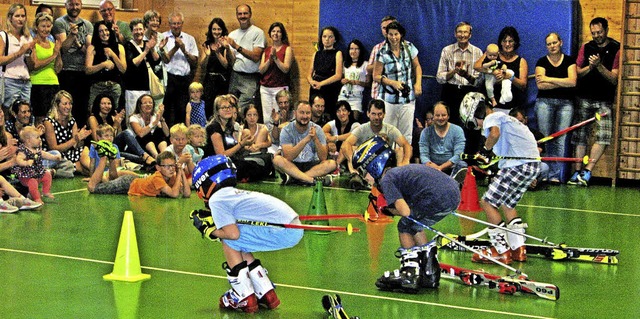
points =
(492, 252)
(326, 180)
(584, 178)
(231, 300)
(519, 254)
(24, 203)
(356, 182)
(286, 179)
(7, 208)
(574, 178)
(269, 300)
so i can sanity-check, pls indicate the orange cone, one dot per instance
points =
(376, 199)
(469, 203)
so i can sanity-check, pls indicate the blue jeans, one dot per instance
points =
(16, 89)
(130, 147)
(554, 115)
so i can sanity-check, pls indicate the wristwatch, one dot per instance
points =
(239, 49)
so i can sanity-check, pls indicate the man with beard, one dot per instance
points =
(375, 127)
(304, 150)
(598, 63)
(75, 35)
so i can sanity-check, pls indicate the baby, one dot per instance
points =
(490, 64)
(29, 168)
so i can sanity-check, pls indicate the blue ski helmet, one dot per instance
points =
(373, 156)
(213, 173)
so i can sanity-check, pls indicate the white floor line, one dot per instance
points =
(344, 293)
(71, 191)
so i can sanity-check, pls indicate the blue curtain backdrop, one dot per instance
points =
(430, 26)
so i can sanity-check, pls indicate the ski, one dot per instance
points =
(333, 305)
(503, 284)
(558, 252)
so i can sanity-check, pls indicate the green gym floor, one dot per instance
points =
(52, 261)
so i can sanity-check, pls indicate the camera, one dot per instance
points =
(404, 92)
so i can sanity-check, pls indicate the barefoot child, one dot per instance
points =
(105, 132)
(29, 168)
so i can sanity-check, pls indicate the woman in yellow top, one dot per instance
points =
(44, 64)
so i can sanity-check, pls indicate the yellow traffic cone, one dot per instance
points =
(127, 264)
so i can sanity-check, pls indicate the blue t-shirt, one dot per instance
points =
(439, 150)
(427, 191)
(290, 135)
(516, 140)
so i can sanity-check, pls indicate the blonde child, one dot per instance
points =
(489, 65)
(29, 168)
(195, 107)
(182, 150)
(196, 136)
(106, 132)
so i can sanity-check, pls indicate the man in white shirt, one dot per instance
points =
(247, 42)
(179, 52)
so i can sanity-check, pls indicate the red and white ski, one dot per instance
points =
(503, 284)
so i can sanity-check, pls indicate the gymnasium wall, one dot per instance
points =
(302, 20)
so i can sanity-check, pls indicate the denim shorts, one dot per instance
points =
(16, 89)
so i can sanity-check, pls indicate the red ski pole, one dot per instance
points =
(571, 128)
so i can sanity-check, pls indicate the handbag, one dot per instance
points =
(156, 88)
(4, 67)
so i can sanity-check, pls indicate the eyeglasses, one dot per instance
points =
(105, 10)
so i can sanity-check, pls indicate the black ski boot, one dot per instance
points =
(407, 278)
(429, 266)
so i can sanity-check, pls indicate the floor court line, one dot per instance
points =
(520, 205)
(284, 285)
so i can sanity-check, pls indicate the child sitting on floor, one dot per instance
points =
(165, 181)
(182, 150)
(105, 132)
(195, 135)
(29, 168)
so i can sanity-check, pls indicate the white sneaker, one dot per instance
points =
(7, 208)
(24, 203)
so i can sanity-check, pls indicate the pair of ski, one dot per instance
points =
(558, 252)
(548, 249)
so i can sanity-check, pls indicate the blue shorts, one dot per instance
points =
(264, 238)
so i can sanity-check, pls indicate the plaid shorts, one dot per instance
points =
(587, 109)
(510, 184)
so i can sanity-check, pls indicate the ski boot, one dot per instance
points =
(406, 279)
(499, 250)
(516, 242)
(241, 295)
(429, 266)
(262, 285)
